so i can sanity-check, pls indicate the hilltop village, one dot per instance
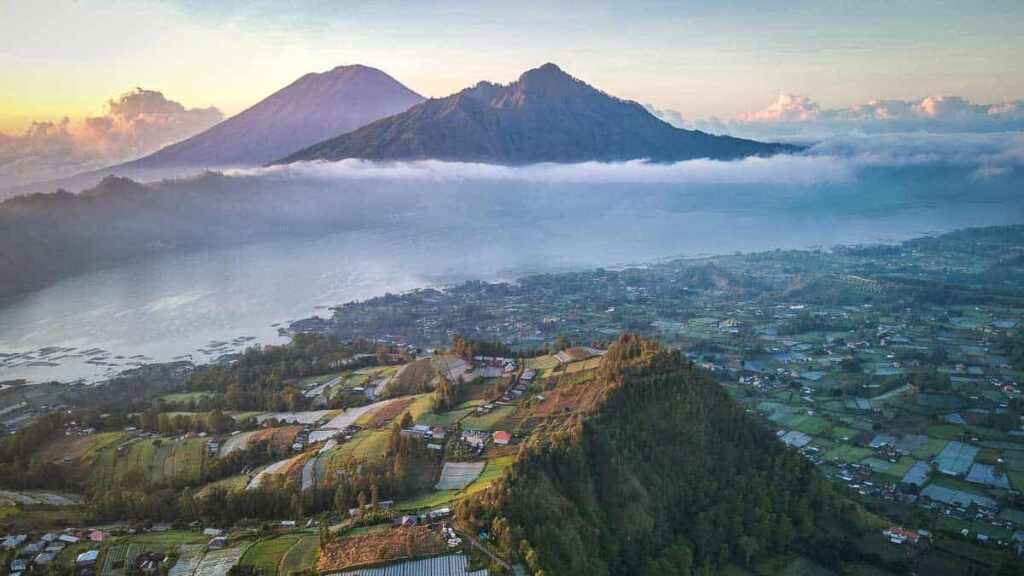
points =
(894, 370)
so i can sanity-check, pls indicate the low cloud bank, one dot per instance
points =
(798, 116)
(836, 159)
(783, 169)
(135, 124)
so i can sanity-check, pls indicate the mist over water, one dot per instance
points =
(429, 224)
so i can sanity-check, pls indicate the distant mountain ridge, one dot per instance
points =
(314, 107)
(544, 116)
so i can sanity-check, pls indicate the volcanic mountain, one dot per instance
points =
(314, 107)
(544, 116)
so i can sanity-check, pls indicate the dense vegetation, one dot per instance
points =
(264, 378)
(670, 476)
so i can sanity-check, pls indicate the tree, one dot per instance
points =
(361, 499)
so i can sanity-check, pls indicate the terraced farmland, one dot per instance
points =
(266, 555)
(157, 461)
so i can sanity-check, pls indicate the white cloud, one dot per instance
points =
(798, 116)
(787, 108)
(782, 169)
(136, 123)
(835, 159)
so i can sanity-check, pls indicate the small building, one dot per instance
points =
(502, 437)
(87, 558)
(899, 535)
(12, 542)
(438, 433)
(212, 532)
(218, 543)
(98, 535)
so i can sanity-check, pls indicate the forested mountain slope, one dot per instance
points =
(668, 476)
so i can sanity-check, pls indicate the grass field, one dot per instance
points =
(848, 453)
(236, 482)
(158, 461)
(495, 467)
(929, 449)
(429, 500)
(443, 419)
(364, 446)
(166, 540)
(302, 555)
(588, 364)
(491, 472)
(80, 447)
(185, 397)
(542, 362)
(491, 421)
(899, 469)
(265, 555)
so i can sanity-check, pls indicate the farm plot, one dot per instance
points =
(444, 418)
(189, 557)
(364, 446)
(447, 565)
(78, 447)
(117, 556)
(307, 417)
(265, 555)
(48, 498)
(388, 412)
(301, 556)
(379, 546)
(279, 467)
(178, 461)
(492, 471)
(412, 378)
(349, 417)
(542, 362)
(236, 442)
(956, 458)
(219, 562)
(458, 475)
(488, 421)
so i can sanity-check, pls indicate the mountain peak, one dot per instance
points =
(545, 116)
(546, 73)
(316, 106)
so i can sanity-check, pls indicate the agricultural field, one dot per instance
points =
(186, 398)
(267, 554)
(458, 475)
(302, 555)
(366, 445)
(189, 557)
(492, 471)
(80, 448)
(160, 461)
(379, 546)
(445, 565)
(412, 378)
(492, 421)
(219, 562)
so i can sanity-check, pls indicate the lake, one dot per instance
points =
(201, 303)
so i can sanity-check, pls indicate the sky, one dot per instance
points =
(68, 58)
